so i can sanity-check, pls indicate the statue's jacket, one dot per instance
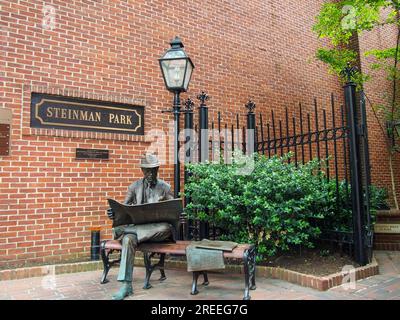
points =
(140, 192)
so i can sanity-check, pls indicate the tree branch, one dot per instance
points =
(396, 60)
(377, 119)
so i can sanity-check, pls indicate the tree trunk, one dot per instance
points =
(396, 204)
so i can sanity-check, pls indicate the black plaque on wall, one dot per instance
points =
(59, 112)
(91, 154)
(4, 139)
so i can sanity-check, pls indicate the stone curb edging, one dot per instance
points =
(42, 271)
(319, 283)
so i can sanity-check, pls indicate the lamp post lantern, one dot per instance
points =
(176, 68)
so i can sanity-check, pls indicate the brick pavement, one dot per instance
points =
(86, 286)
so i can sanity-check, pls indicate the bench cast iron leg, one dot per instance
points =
(252, 262)
(106, 262)
(205, 283)
(249, 259)
(150, 268)
(194, 282)
(196, 275)
(161, 263)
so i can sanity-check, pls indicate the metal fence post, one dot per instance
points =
(251, 127)
(203, 127)
(189, 104)
(95, 244)
(189, 143)
(203, 148)
(355, 169)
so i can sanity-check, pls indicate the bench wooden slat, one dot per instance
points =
(178, 248)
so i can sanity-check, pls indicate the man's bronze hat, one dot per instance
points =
(149, 161)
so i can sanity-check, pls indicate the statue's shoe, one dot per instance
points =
(124, 291)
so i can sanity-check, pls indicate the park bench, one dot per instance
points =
(243, 252)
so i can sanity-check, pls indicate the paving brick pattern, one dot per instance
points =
(86, 286)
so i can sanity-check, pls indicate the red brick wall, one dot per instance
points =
(108, 50)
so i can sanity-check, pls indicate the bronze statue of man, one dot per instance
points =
(146, 190)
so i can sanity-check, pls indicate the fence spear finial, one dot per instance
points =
(203, 97)
(250, 105)
(349, 72)
(189, 104)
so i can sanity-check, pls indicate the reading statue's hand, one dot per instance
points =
(110, 213)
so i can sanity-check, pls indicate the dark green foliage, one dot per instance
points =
(378, 198)
(324, 253)
(339, 214)
(339, 217)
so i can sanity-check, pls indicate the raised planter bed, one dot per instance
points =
(321, 283)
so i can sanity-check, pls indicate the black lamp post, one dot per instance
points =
(176, 68)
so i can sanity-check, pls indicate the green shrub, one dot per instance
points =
(378, 198)
(277, 206)
(274, 207)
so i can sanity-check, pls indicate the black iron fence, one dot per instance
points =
(336, 134)
(307, 139)
(321, 134)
